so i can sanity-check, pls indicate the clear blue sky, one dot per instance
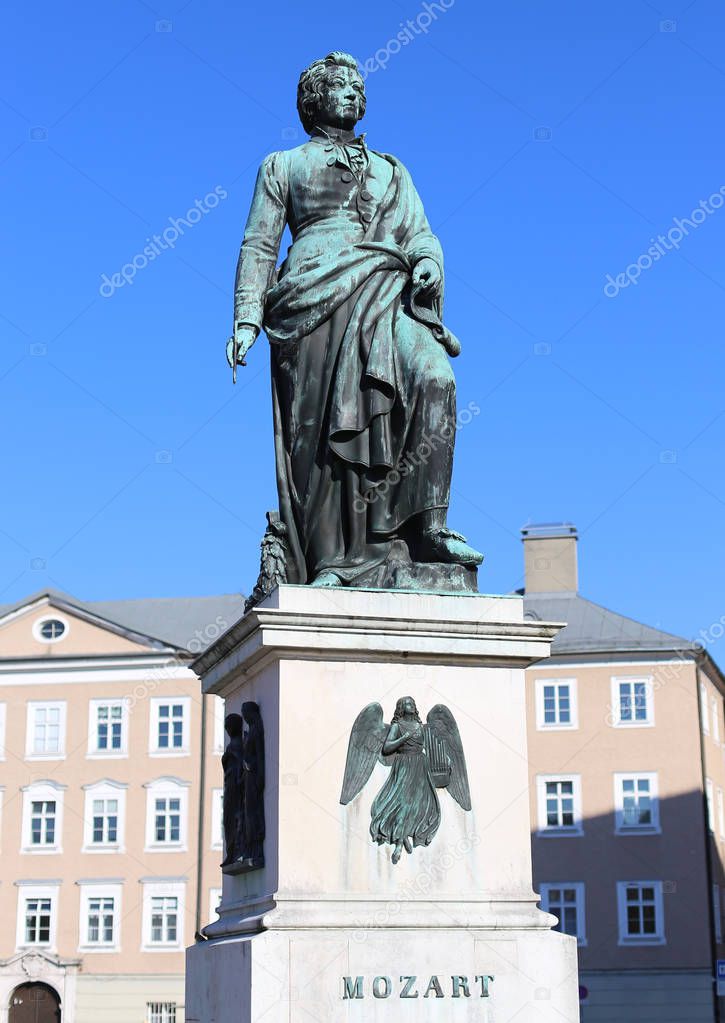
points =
(550, 144)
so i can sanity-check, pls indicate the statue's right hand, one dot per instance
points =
(244, 337)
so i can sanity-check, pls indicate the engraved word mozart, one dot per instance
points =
(412, 987)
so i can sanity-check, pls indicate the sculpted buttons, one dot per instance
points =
(365, 195)
(331, 161)
(347, 176)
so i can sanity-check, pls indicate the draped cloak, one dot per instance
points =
(363, 393)
(407, 806)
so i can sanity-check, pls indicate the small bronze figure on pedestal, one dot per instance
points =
(253, 783)
(243, 763)
(232, 762)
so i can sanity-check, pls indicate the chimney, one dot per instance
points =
(550, 558)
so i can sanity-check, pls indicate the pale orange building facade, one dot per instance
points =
(110, 823)
(627, 768)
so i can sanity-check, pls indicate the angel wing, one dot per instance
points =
(444, 727)
(365, 746)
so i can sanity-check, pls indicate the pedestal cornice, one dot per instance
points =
(340, 625)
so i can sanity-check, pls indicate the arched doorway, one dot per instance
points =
(34, 1003)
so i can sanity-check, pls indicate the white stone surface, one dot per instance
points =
(328, 897)
(280, 977)
(373, 625)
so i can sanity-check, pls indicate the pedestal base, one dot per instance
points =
(371, 976)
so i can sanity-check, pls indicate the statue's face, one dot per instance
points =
(409, 706)
(341, 100)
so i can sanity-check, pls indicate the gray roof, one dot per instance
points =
(592, 628)
(179, 621)
(187, 623)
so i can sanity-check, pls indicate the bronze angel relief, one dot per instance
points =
(423, 757)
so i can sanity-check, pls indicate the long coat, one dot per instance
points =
(363, 392)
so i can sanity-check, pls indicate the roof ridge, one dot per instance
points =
(592, 626)
(187, 624)
(635, 621)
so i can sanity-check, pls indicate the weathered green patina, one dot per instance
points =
(363, 392)
(424, 757)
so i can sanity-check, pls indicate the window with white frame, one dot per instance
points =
(104, 821)
(45, 737)
(716, 720)
(217, 818)
(565, 899)
(160, 1012)
(166, 814)
(163, 912)
(108, 728)
(219, 736)
(37, 920)
(632, 702)
(636, 803)
(215, 898)
(167, 819)
(559, 804)
(170, 726)
(37, 910)
(709, 798)
(164, 919)
(704, 709)
(100, 917)
(641, 913)
(100, 920)
(42, 817)
(556, 703)
(104, 817)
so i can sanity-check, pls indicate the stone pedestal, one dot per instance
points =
(330, 928)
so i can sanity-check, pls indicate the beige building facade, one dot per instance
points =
(110, 820)
(627, 767)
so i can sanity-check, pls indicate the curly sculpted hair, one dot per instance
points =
(400, 709)
(309, 88)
